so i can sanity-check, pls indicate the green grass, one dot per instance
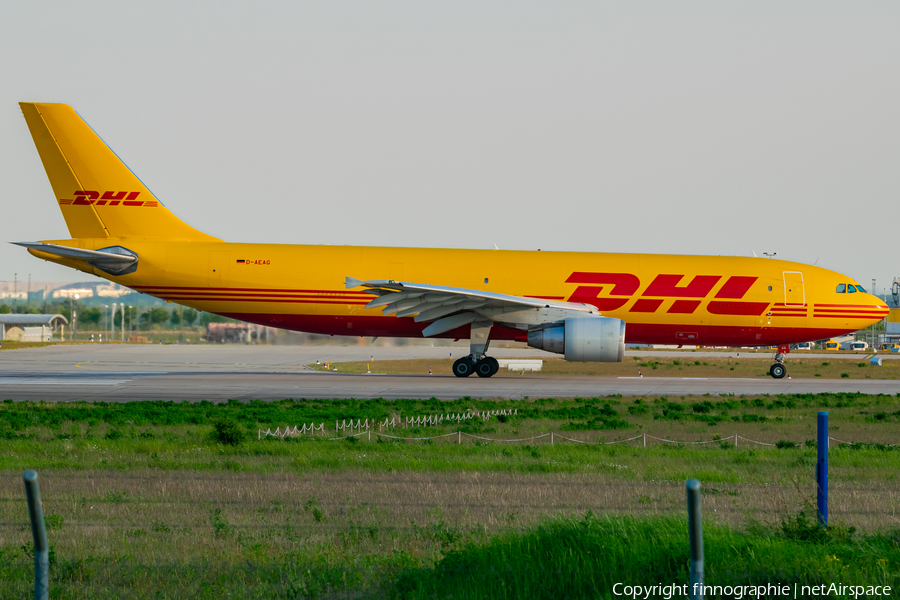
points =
(587, 558)
(706, 409)
(563, 557)
(173, 500)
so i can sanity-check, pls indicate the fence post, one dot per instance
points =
(39, 532)
(822, 468)
(735, 440)
(645, 440)
(459, 437)
(695, 533)
(551, 438)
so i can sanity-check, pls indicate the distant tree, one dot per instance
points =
(190, 315)
(90, 315)
(158, 316)
(175, 319)
(4, 309)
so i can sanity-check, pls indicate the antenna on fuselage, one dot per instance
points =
(754, 254)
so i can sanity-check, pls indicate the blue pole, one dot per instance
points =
(695, 536)
(822, 469)
(39, 532)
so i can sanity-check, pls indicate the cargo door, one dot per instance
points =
(794, 293)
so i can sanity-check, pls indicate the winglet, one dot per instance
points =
(352, 282)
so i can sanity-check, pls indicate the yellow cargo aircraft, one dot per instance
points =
(586, 306)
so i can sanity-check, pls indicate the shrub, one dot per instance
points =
(785, 444)
(226, 431)
(113, 434)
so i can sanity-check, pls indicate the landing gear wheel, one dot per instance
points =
(495, 364)
(487, 367)
(463, 367)
(777, 371)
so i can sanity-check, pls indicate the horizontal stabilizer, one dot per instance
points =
(113, 260)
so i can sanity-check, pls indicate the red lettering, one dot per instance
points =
(736, 287)
(645, 306)
(89, 194)
(683, 307)
(110, 196)
(667, 286)
(132, 195)
(624, 284)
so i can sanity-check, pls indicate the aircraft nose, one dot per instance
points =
(879, 308)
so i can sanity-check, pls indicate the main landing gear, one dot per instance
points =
(477, 361)
(486, 366)
(778, 370)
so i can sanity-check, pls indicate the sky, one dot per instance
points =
(678, 128)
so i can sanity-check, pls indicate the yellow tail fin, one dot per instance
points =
(99, 196)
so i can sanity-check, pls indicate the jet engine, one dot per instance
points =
(586, 339)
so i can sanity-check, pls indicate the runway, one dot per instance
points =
(121, 373)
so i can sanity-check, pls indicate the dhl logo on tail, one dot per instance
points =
(88, 198)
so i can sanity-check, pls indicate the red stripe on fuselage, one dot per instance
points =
(149, 288)
(643, 333)
(737, 308)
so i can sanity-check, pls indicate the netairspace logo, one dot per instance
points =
(740, 592)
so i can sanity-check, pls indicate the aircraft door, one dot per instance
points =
(794, 292)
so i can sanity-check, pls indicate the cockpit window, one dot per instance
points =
(851, 289)
(859, 288)
(842, 288)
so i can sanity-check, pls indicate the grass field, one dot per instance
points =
(143, 502)
(836, 367)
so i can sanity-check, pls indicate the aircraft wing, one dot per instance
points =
(448, 307)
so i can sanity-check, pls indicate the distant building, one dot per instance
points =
(236, 333)
(31, 328)
(892, 327)
(44, 290)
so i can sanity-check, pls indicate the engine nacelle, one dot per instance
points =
(588, 339)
